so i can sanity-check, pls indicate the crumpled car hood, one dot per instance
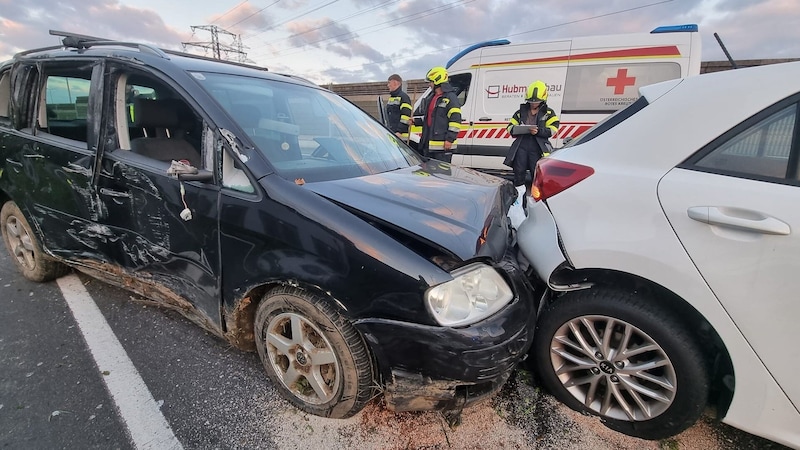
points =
(444, 204)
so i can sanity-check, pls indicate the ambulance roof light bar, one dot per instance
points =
(687, 28)
(473, 47)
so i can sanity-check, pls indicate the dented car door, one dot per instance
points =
(54, 144)
(164, 230)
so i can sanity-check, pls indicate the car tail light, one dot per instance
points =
(553, 176)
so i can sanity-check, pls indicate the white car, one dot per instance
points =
(669, 238)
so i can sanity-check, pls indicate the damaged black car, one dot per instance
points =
(269, 211)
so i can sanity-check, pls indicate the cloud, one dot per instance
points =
(245, 18)
(357, 49)
(364, 39)
(316, 31)
(26, 27)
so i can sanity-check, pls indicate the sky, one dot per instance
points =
(350, 41)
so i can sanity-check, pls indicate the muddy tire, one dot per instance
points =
(313, 355)
(24, 248)
(623, 358)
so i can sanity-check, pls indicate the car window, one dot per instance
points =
(5, 95)
(460, 84)
(307, 134)
(762, 149)
(66, 99)
(155, 121)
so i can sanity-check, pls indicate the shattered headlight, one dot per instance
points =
(476, 291)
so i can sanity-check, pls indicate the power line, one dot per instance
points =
(293, 18)
(253, 14)
(588, 18)
(229, 11)
(334, 22)
(395, 22)
(514, 34)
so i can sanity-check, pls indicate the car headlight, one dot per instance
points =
(476, 291)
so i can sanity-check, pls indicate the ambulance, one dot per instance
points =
(588, 78)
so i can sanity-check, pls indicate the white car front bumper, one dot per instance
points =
(537, 237)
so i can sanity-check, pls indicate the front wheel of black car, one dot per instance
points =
(313, 355)
(614, 355)
(24, 247)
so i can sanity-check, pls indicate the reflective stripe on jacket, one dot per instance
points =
(446, 120)
(398, 112)
(547, 121)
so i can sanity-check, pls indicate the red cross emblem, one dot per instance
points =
(620, 81)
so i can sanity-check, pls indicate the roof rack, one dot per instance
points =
(82, 41)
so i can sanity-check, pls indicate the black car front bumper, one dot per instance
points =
(440, 368)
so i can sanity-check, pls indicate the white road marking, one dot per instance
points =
(139, 411)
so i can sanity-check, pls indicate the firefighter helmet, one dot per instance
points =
(537, 92)
(437, 75)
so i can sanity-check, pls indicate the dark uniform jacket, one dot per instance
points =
(398, 112)
(547, 121)
(446, 119)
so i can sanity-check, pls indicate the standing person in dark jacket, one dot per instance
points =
(398, 108)
(442, 117)
(532, 126)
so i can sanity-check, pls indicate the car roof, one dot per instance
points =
(79, 46)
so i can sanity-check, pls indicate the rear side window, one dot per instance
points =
(5, 95)
(762, 149)
(605, 88)
(66, 100)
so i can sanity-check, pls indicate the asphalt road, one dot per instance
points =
(54, 395)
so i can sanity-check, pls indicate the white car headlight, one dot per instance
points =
(476, 291)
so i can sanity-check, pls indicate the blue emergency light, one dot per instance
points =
(688, 28)
(473, 47)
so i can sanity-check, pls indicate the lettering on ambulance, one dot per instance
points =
(518, 91)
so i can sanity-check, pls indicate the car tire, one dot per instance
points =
(24, 248)
(313, 354)
(649, 379)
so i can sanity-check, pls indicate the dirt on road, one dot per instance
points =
(521, 416)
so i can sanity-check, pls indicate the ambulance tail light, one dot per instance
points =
(553, 176)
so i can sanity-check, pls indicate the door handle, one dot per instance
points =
(741, 219)
(485, 119)
(112, 193)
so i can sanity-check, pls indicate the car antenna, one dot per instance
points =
(725, 50)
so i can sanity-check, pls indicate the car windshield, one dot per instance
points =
(306, 133)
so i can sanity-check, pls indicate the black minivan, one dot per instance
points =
(269, 211)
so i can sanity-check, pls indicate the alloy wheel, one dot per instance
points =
(613, 368)
(19, 239)
(303, 357)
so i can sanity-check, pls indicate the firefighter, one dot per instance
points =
(441, 122)
(398, 108)
(532, 126)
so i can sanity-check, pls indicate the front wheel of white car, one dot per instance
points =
(617, 356)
